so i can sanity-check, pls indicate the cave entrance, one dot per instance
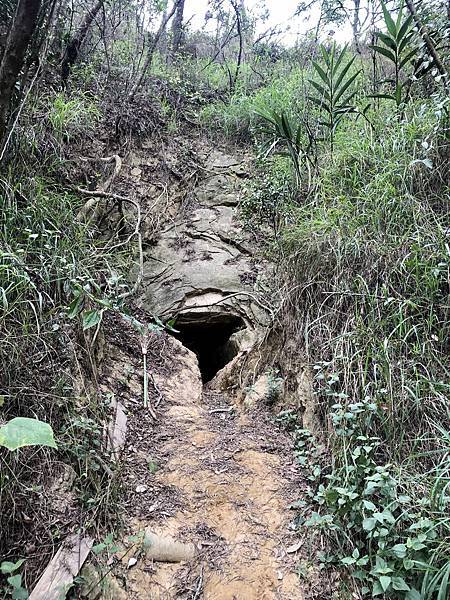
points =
(208, 336)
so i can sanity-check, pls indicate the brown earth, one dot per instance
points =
(206, 472)
(199, 466)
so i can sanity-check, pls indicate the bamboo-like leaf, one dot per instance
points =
(407, 58)
(345, 87)
(398, 94)
(385, 52)
(387, 40)
(403, 31)
(399, 16)
(265, 116)
(340, 57)
(390, 23)
(320, 103)
(321, 73)
(322, 91)
(382, 96)
(343, 73)
(345, 109)
(325, 55)
(287, 126)
(402, 45)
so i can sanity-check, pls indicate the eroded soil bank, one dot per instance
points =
(200, 467)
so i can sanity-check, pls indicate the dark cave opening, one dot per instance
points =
(208, 336)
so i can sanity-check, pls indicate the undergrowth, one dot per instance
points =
(46, 359)
(364, 259)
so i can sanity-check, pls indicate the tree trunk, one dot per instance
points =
(177, 27)
(356, 24)
(22, 29)
(74, 45)
(238, 13)
(428, 41)
(148, 61)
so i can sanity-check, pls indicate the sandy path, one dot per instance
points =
(225, 481)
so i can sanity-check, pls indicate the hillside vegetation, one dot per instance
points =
(349, 199)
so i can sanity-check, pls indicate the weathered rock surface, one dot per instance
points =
(203, 258)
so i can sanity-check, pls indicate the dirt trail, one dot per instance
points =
(225, 482)
(207, 472)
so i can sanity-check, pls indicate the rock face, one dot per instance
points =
(202, 263)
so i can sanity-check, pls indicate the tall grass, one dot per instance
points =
(365, 267)
(46, 253)
(368, 272)
(238, 119)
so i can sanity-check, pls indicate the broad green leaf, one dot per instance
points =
(369, 524)
(7, 567)
(399, 550)
(413, 594)
(385, 582)
(22, 431)
(399, 584)
(20, 593)
(75, 306)
(91, 318)
(377, 590)
(15, 581)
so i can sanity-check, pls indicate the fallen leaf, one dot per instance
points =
(132, 562)
(294, 548)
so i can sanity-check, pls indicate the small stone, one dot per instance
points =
(141, 489)
(132, 562)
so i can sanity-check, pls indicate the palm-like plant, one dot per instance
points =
(335, 94)
(397, 49)
(288, 134)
